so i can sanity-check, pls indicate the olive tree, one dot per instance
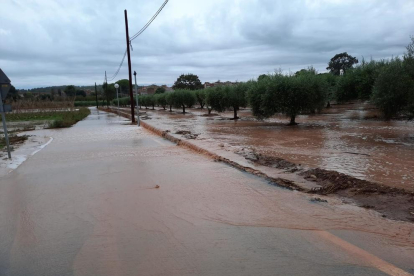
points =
(170, 100)
(394, 90)
(236, 97)
(207, 92)
(217, 98)
(289, 95)
(161, 99)
(151, 101)
(183, 99)
(143, 101)
(201, 97)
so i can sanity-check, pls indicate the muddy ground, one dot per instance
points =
(350, 139)
(394, 203)
(372, 169)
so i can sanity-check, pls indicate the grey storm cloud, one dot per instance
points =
(46, 42)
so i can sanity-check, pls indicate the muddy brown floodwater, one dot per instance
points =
(108, 198)
(339, 139)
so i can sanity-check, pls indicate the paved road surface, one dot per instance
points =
(87, 205)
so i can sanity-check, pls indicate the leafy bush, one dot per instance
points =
(161, 99)
(331, 82)
(144, 101)
(256, 93)
(126, 101)
(346, 87)
(394, 90)
(290, 95)
(365, 76)
(201, 97)
(207, 92)
(237, 97)
(170, 100)
(223, 97)
(358, 83)
(216, 98)
(183, 98)
(150, 100)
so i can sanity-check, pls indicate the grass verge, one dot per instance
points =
(60, 118)
(70, 118)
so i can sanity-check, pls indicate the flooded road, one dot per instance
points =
(107, 198)
(339, 139)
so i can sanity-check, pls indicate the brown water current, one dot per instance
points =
(339, 139)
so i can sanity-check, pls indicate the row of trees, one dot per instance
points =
(278, 93)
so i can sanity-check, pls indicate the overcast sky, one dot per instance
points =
(46, 42)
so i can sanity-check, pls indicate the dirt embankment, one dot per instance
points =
(391, 202)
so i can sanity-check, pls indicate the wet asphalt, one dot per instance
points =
(107, 198)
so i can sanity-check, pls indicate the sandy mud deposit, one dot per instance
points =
(369, 163)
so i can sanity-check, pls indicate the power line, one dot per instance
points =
(149, 22)
(119, 68)
(135, 36)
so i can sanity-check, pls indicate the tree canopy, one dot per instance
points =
(290, 95)
(70, 91)
(188, 81)
(341, 61)
(183, 98)
(161, 99)
(124, 85)
(160, 90)
(394, 90)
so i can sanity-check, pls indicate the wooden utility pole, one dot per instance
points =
(96, 95)
(106, 91)
(131, 95)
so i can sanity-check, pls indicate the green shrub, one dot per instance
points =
(144, 101)
(290, 95)
(346, 87)
(70, 118)
(223, 97)
(126, 101)
(394, 90)
(183, 99)
(161, 99)
(201, 97)
(170, 100)
(216, 98)
(237, 97)
(256, 93)
(331, 81)
(150, 100)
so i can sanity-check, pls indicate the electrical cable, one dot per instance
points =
(149, 22)
(119, 68)
(135, 36)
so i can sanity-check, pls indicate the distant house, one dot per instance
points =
(89, 92)
(219, 83)
(150, 90)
